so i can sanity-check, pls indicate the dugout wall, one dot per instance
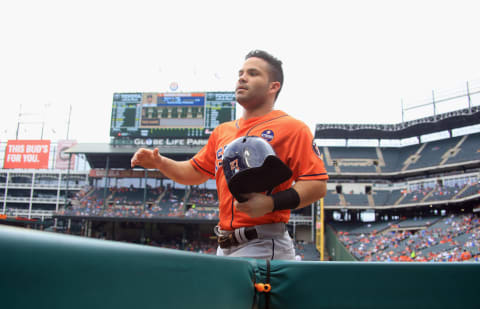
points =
(48, 270)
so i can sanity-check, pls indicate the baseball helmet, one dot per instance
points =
(251, 165)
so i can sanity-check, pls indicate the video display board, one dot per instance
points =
(179, 115)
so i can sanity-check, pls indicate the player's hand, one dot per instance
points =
(257, 204)
(146, 158)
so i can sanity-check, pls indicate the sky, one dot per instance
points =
(344, 61)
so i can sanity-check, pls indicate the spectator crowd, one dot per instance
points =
(455, 238)
(159, 202)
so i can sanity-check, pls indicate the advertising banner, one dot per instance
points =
(27, 154)
(61, 161)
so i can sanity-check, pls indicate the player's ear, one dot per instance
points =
(275, 87)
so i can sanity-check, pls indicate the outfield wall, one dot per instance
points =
(336, 250)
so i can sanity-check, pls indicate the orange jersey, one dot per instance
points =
(294, 145)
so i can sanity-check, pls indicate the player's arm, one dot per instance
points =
(310, 191)
(179, 171)
(304, 193)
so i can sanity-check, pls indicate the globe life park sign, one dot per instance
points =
(169, 141)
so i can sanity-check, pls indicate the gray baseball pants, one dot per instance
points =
(273, 243)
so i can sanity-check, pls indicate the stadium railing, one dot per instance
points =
(105, 274)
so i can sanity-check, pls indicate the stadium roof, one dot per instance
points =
(119, 156)
(441, 122)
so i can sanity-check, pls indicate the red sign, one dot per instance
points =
(27, 154)
(62, 159)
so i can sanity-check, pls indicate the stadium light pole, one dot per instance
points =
(45, 106)
(18, 122)
(68, 121)
(468, 96)
(403, 111)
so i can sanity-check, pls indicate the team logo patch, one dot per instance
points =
(268, 135)
(316, 150)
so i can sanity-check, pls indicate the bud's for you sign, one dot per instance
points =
(27, 154)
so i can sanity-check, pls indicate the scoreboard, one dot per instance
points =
(178, 115)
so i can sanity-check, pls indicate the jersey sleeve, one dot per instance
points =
(306, 161)
(204, 160)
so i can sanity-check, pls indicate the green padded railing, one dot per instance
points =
(48, 270)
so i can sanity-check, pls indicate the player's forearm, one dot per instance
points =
(302, 194)
(310, 191)
(181, 171)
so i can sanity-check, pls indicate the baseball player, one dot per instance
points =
(255, 227)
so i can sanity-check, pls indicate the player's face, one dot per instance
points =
(253, 83)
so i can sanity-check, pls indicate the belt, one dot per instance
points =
(237, 237)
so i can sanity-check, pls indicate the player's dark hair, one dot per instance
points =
(276, 71)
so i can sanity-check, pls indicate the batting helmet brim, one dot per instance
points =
(259, 179)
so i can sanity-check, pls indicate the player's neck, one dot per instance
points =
(258, 111)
